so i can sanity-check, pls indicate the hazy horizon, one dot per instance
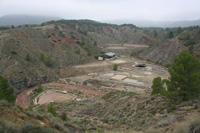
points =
(105, 10)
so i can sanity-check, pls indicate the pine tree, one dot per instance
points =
(6, 92)
(184, 81)
(185, 76)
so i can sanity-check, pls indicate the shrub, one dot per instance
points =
(196, 107)
(189, 43)
(96, 57)
(64, 116)
(28, 58)
(153, 111)
(171, 35)
(13, 52)
(39, 89)
(77, 51)
(78, 42)
(115, 67)
(172, 108)
(56, 27)
(6, 92)
(5, 128)
(89, 53)
(95, 43)
(105, 120)
(34, 129)
(42, 56)
(48, 61)
(158, 86)
(52, 109)
(61, 34)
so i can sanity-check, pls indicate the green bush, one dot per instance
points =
(64, 116)
(39, 89)
(153, 112)
(77, 51)
(6, 92)
(61, 34)
(13, 52)
(115, 67)
(27, 58)
(189, 43)
(172, 108)
(96, 57)
(48, 61)
(158, 86)
(170, 35)
(42, 56)
(89, 53)
(105, 120)
(52, 109)
(78, 42)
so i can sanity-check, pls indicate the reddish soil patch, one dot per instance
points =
(22, 99)
(52, 96)
(64, 87)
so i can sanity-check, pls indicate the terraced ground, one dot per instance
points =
(98, 78)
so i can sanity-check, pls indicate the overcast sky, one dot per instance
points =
(158, 10)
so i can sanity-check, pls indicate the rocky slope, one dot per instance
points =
(166, 51)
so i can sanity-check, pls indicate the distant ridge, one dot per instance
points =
(17, 20)
(163, 24)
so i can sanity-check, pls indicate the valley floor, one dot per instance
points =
(100, 78)
(97, 98)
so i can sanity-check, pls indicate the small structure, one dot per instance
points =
(109, 55)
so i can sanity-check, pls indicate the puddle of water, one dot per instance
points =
(136, 76)
(133, 81)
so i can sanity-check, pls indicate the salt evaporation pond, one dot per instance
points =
(129, 80)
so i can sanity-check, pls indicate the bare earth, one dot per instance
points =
(52, 96)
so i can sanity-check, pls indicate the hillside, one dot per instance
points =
(164, 52)
(62, 43)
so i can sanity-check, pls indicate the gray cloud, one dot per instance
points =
(105, 9)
